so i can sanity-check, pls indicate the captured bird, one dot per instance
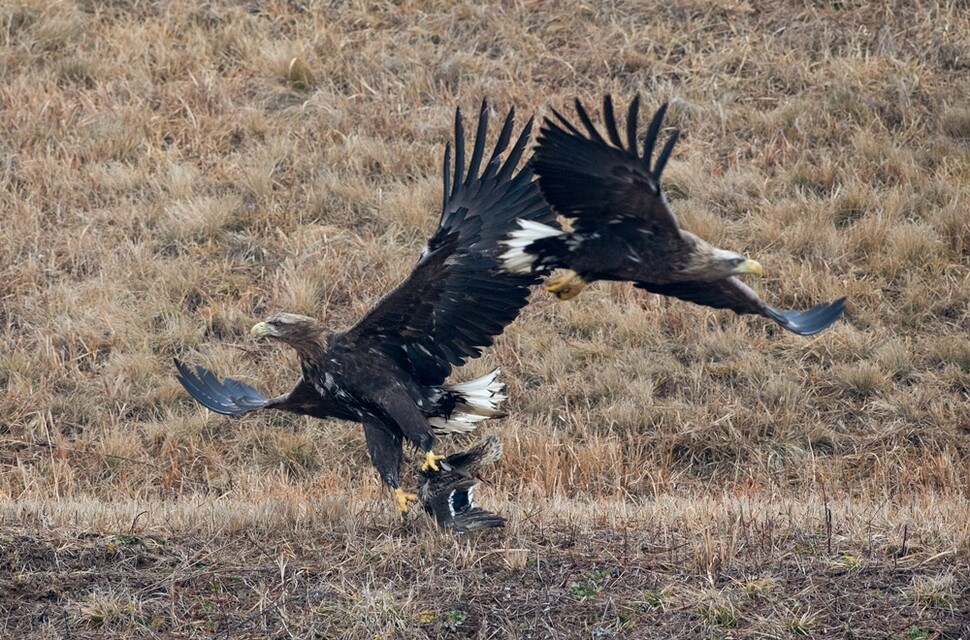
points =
(447, 494)
(388, 370)
(623, 228)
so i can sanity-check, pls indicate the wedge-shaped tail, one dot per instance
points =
(456, 408)
(810, 322)
(228, 397)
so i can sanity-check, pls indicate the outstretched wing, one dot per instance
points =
(486, 451)
(740, 298)
(598, 181)
(456, 300)
(234, 398)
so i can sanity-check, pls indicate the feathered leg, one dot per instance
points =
(386, 453)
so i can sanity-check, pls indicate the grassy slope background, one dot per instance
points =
(172, 172)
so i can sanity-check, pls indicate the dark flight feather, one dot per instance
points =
(631, 123)
(611, 129)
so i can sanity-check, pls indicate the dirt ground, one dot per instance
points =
(605, 583)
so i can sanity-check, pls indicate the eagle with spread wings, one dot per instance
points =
(388, 371)
(623, 229)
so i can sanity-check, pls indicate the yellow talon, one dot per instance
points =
(402, 498)
(431, 461)
(566, 286)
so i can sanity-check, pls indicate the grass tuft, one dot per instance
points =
(932, 591)
(956, 123)
(862, 380)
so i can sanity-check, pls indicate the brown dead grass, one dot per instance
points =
(172, 172)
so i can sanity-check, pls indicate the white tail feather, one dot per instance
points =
(485, 392)
(517, 259)
(481, 398)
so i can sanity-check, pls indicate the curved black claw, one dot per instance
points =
(807, 323)
(228, 397)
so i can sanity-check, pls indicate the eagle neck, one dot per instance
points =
(312, 350)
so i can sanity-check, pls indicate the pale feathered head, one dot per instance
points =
(303, 333)
(707, 263)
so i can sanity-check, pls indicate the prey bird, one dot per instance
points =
(388, 371)
(622, 228)
(448, 494)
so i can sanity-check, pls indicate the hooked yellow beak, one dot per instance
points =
(750, 266)
(261, 330)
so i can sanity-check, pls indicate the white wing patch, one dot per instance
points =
(471, 501)
(517, 259)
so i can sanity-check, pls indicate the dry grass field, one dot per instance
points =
(172, 172)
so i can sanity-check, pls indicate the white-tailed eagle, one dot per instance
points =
(388, 371)
(623, 228)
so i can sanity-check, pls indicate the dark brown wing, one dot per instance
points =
(234, 398)
(597, 181)
(456, 300)
(740, 298)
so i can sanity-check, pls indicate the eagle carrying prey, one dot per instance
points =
(388, 370)
(623, 228)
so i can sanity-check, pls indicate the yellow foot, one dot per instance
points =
(402, 498)
(431, 461)
(566, 286)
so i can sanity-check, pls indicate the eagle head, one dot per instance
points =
(300, 332)
(710, 264)
(735, 264)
